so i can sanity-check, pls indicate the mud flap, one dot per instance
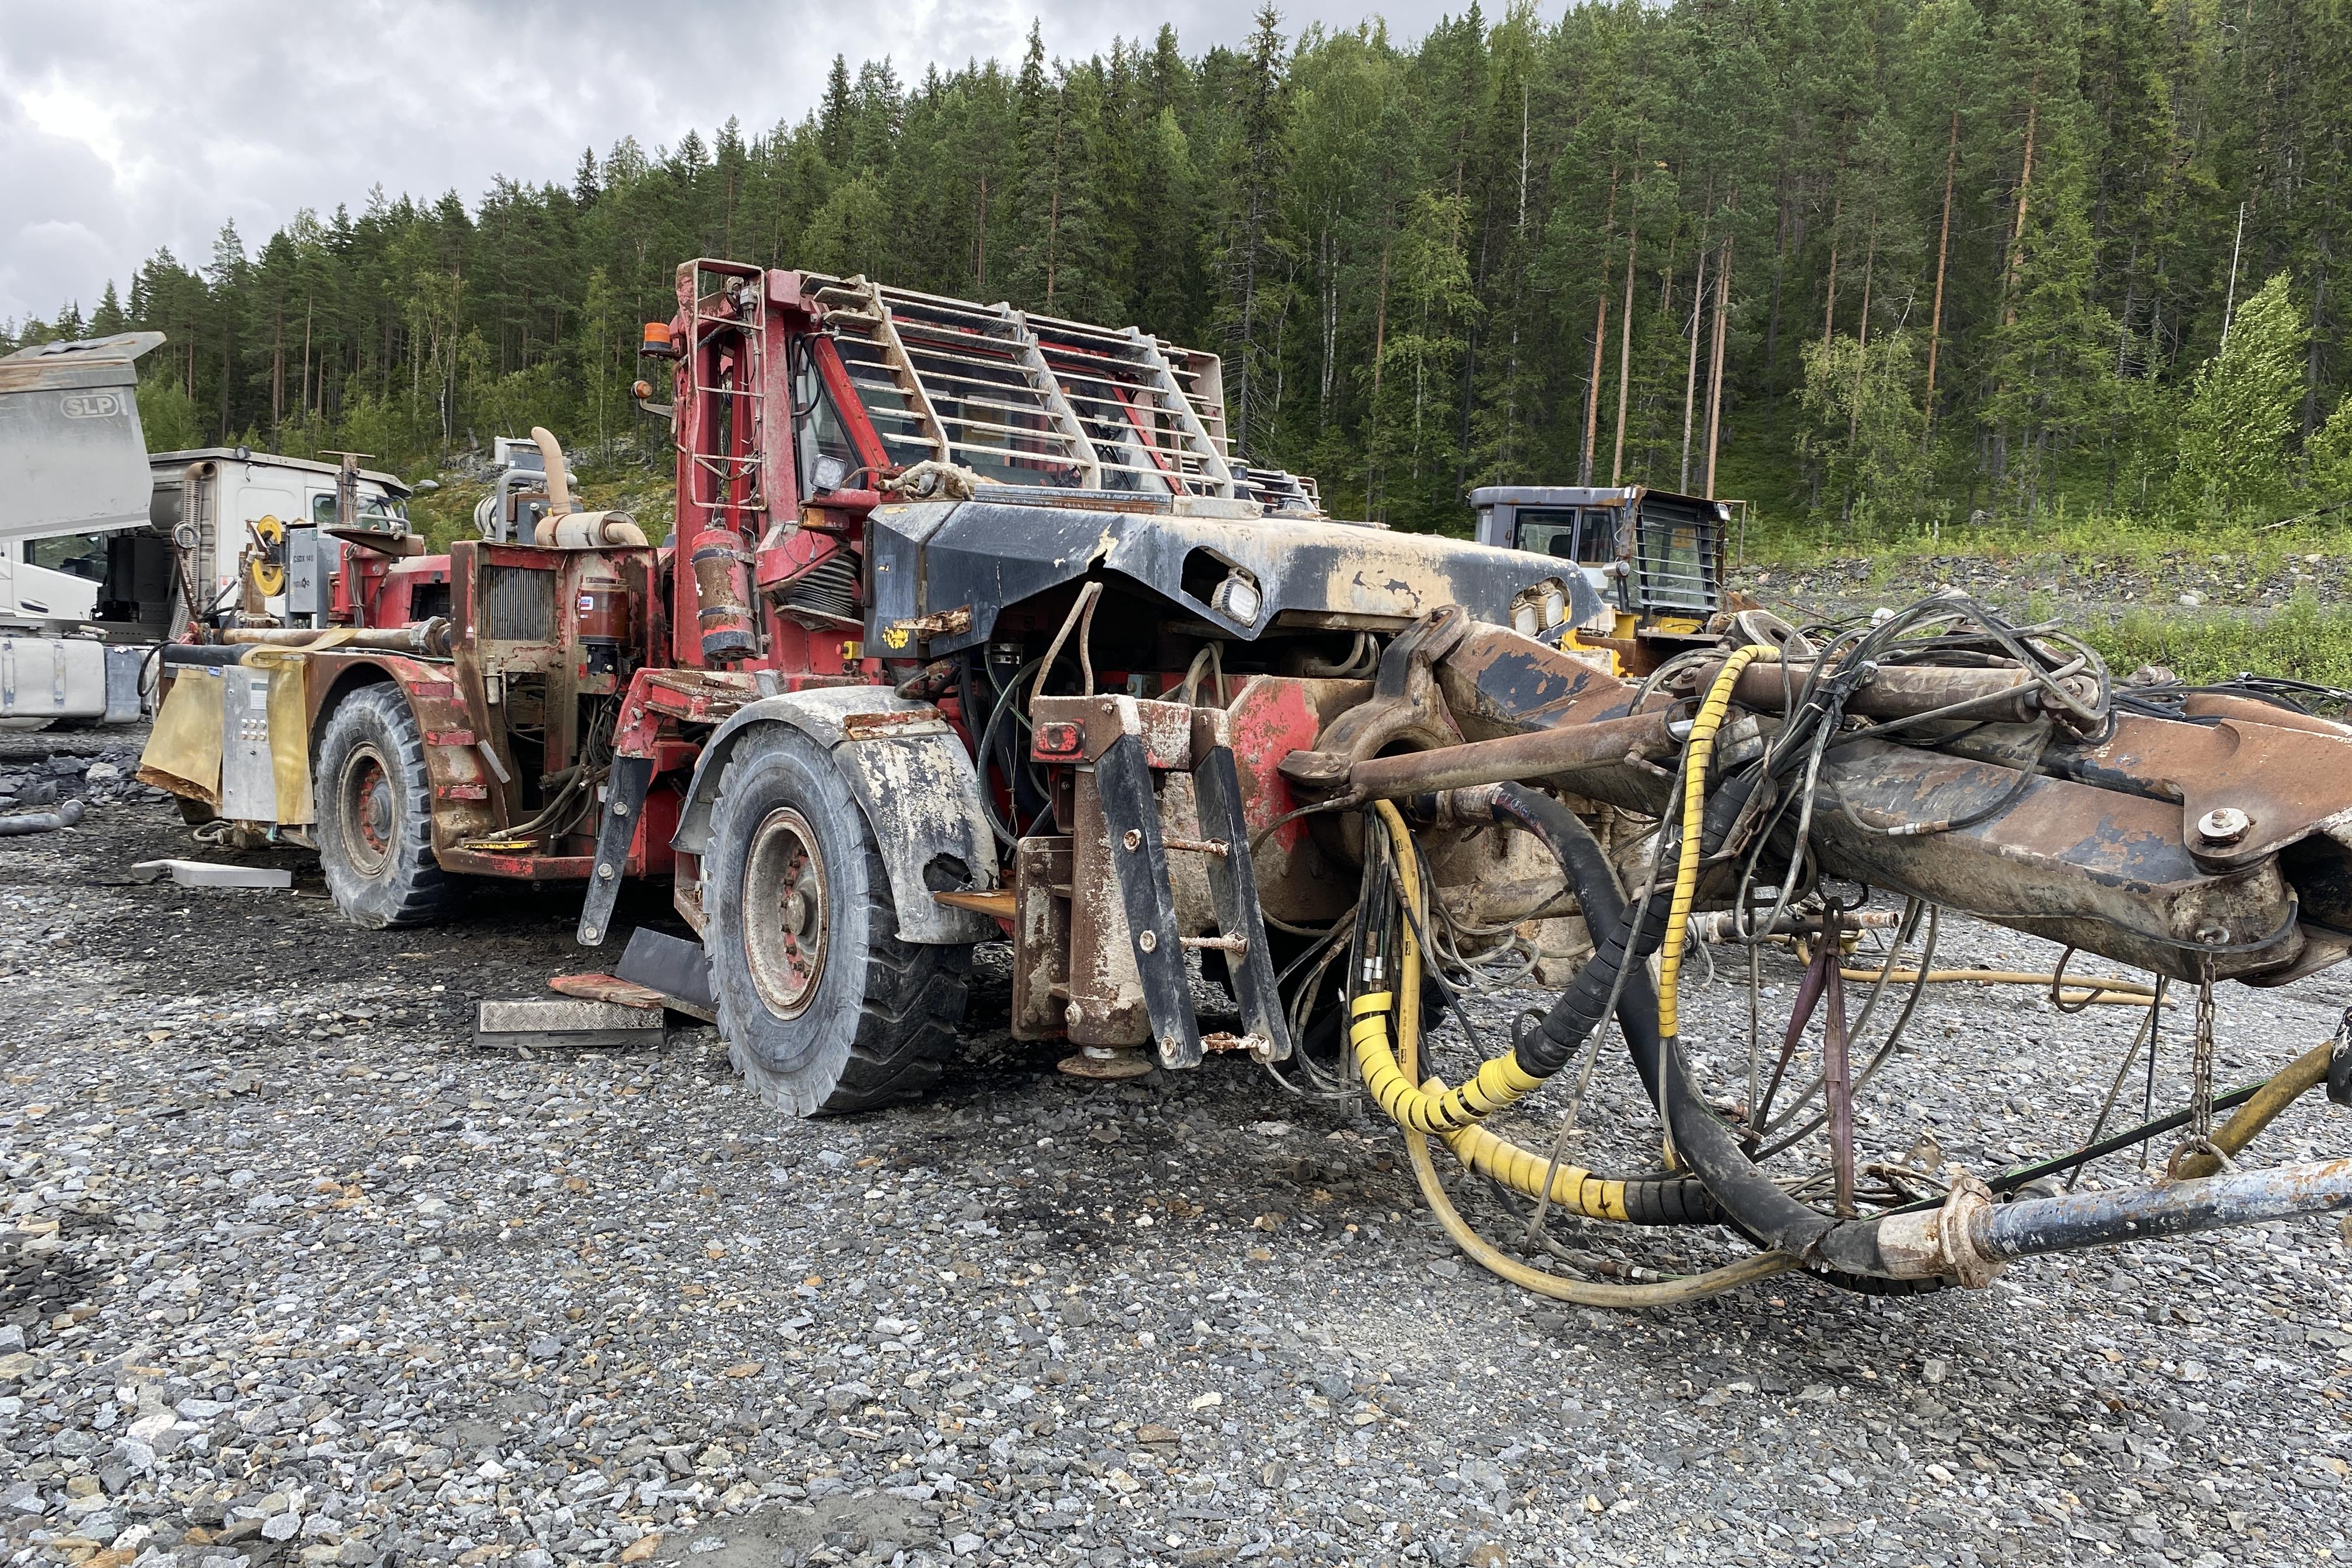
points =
(1233, 891)
(184, 751)
(913, 780)
(1140, 864)
(625, 803)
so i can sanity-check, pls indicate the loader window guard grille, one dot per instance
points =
(1035, 400)
(1676, 551)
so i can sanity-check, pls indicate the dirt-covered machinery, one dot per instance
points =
(1655, 559)
(974, 627)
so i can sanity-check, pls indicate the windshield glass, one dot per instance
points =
(375, 510)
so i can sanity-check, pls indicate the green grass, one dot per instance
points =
(2303, 640)
(2145, 546)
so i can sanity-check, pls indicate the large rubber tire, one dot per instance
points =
(824, 1010)
(374, 804)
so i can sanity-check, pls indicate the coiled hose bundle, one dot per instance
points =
(1730, 1188)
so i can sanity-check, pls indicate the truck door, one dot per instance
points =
(57, 577)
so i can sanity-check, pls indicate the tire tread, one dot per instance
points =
(418, 891)
(912, 998)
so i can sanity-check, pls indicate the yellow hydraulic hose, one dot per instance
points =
(1576, 1190)
(1497, 1084)
(1699, 752)
(1577, 1292)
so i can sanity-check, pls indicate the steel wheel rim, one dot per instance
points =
(370, 813)
(785, 924)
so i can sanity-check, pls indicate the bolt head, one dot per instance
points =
(1133, 839)
(2224, 825)
(1074, 1014)
(1147, 941)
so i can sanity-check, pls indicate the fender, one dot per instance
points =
(911, 776)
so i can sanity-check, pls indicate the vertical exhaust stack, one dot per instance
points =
(558, 483)
(565, 528)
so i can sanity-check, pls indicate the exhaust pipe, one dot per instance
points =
(428, 637)
(559, 480)
(565, 529)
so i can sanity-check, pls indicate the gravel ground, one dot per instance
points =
(291, 1272)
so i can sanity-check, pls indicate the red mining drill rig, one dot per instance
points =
(973, 627)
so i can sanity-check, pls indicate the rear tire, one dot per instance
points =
(824, 1010)
(376, 812)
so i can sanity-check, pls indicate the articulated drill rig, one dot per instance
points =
(973, 628)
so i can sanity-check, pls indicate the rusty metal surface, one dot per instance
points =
(2173, 1208)
(1106, 1005)
(1539, 755)
(1496, 682)
(1042, 869)
(988, 557)
(608, 988)
(1899, 691)
(2284, 780)
(1105, 1064)
(1165, 729)
(2089, 867)
(1270, 719)
(1405, 708)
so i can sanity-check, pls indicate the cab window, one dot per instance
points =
(822, 448)
(375, 510)
(1586, 536)
(75, 554)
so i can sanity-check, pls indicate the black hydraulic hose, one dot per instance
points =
(1750, 1200)
(1576, 1014)
(29, 822)
(1649, 1200)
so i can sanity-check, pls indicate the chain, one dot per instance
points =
(2200, 1094)
(2200, 1138)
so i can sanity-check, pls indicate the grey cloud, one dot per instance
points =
(146, 124)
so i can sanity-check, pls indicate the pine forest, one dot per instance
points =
(1876, 267)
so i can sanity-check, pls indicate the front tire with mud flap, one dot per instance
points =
(374, 804)
(824, 1010)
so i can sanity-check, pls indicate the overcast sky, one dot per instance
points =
(139, 123)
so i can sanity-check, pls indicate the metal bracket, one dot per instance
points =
(1233, 890)
(625, 790)
(1140, 865)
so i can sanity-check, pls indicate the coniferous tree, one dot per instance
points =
(1764, 229)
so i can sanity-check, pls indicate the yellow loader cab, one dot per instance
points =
(1656, 560)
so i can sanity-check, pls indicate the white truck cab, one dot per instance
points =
(222, 491)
